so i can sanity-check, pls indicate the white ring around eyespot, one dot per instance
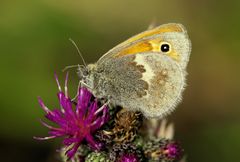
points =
(170, 47)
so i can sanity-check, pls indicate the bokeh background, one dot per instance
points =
(34, 43)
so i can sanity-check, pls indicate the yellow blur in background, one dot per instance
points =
(34, 44)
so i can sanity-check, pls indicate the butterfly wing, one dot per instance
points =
(147, 81)
(150, 40)
(137, 75)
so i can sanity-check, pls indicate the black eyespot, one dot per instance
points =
(165, 47)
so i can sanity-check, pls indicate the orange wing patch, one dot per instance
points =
(144, 46)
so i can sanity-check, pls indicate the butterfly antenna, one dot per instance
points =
(69, 67)
(80, 54)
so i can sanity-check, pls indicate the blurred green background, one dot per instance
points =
(34, 43)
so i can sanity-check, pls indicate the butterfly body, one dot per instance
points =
(145, 73)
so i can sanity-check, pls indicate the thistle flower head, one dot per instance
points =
(172, 151)
(165, 149)
(128, 158)
(126, 152)
(76, 122)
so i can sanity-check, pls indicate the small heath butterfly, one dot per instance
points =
(145, 73)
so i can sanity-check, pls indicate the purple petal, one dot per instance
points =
(66, 104)
(100, 121)
(96, 124)
(91, 111)
(56, 78)
(62, 99)
(95, 145)
(106, 114)
(71, 152)
(84, 97)
(57, 133)
(43, 105)
(48, 126)
(55, 116)
(44, 138)
(71, 140)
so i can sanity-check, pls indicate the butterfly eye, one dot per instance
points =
(165, 47)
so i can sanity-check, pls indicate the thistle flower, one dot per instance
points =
(165, 149)
(78, 121)
(125, 152)
(128, 158)
(172, 151)
(161, 145)
(126, 126)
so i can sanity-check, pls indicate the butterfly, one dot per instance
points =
(145, 73)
